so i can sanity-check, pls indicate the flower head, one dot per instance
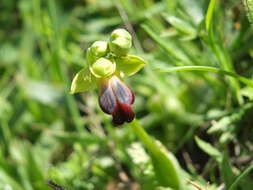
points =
(106, 68)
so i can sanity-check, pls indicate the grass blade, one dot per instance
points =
(240, 177)
(209, 14)
(208, 69)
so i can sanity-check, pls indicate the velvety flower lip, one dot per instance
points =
(116, 99)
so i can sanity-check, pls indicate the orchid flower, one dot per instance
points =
(108, 64)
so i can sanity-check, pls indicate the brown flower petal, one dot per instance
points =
(121, 91)
(116, 99)
(107, 99)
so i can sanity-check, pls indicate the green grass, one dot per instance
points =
(201, 118)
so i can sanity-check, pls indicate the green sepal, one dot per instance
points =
(89, 57)
(129, 65)
(83, 81)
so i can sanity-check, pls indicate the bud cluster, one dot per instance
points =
(100, 55)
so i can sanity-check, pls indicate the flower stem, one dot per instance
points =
(166, 167)
(144, 137)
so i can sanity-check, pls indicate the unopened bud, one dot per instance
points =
(96, 50)
(120, 42)
(102, 68)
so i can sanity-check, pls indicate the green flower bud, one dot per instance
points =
(120, 42)
(99, 48)
(96, 50)
(103, 68)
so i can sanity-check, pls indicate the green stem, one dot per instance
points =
(166, 167)
(144, 137)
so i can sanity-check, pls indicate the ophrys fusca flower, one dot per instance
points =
(108, 64)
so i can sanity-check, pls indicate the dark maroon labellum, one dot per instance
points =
(116, 99)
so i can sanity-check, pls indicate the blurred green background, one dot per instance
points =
(46, 133)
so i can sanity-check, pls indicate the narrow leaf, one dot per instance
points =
(240, 177)
(208, 69)
(180, 25)
(166, 167)
(209, 149)
(226, 171)
(209, 14)
(171, 48)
